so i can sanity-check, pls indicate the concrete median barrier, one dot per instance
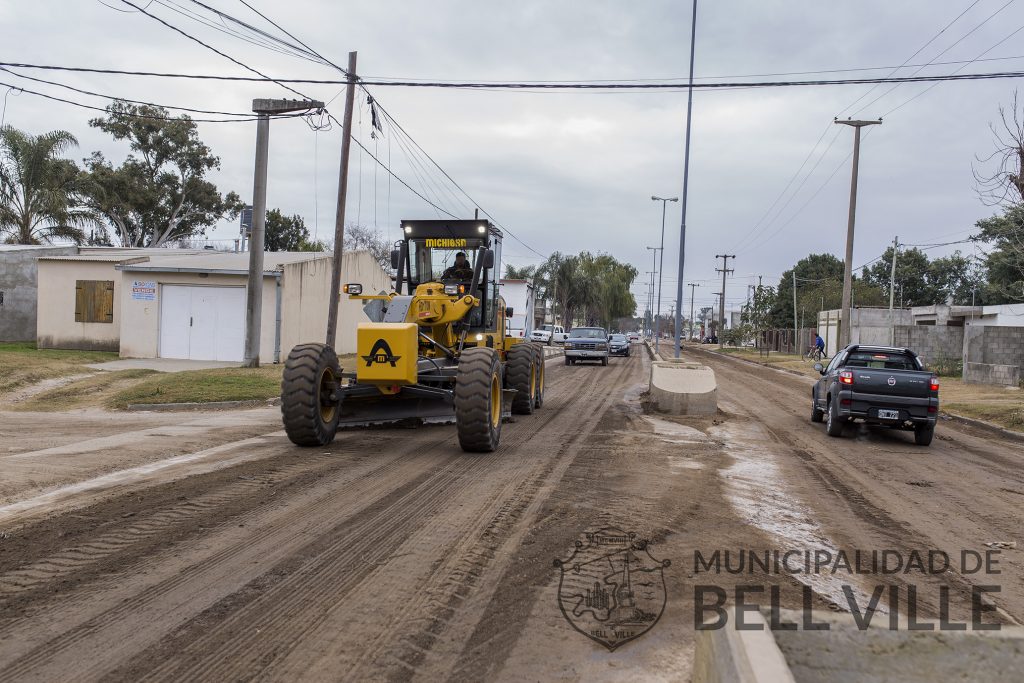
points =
(683, 388)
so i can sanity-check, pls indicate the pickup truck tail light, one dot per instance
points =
(845, 377)
(933, 383)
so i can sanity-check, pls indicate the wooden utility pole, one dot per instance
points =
(847, 319)
(724, 270)
(254, 289)
(796, 328)
(339, 217)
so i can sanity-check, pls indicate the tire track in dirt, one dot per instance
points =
(289, 609)
(851, 479)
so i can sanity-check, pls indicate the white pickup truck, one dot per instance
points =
(549, 334)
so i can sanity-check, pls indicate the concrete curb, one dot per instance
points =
(212, 405)
(727, 655)
(987, 426)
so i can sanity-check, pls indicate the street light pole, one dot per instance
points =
(847, 319)
(686, 179)
(661, 269)
(254, 287)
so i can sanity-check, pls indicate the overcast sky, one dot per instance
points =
(573, 171)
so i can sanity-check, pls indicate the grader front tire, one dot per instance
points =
(521, 375)
(311, 377)
(478, 400)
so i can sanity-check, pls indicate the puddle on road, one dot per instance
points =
(676, 433)
(757, 490)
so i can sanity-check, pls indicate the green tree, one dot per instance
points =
(816, 275)
(283, 233)
(915, 281)
(40, 193)
(160, 193)
(1005, 260)
(524, 273)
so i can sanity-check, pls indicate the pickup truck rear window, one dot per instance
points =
(881, 360)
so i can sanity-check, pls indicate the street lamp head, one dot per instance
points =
(655, 199)
(673, 199)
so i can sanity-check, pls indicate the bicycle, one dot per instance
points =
(815, 354)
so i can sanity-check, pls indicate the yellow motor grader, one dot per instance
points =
(436, 349)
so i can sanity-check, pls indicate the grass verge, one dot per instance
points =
(90, 392)
(21, 364)
(201, 386)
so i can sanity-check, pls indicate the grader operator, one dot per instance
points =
(436, 349)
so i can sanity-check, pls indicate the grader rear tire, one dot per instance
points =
(478, 400)
(521, 375)
(538, 398)
(311, 375)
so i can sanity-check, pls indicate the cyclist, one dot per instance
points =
(818, 347)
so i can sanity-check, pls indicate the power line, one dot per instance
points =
(505, 85)
(140, 116)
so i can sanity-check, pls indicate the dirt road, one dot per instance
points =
(207, 547)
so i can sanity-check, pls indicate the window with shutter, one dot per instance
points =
(94, 301)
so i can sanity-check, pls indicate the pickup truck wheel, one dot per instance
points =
(817, 414)
(604, 361)
(568, 361)
(923, 435)
(834, 427)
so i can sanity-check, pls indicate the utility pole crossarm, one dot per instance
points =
(724, 270)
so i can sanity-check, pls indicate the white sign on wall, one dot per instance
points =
(144, 290)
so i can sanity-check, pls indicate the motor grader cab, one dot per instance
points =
(436, 349)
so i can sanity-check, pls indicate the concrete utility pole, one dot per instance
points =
(796, 328)
(892, 292)
(686, 179)
(650, 298)
(339, 216)
(654, 265)
(661, 269)
(693, 285)
(254, 288)
(846, 324)
(724, 270)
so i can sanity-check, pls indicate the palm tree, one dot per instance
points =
(39, 190)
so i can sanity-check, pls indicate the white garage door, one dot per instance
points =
(202, 323)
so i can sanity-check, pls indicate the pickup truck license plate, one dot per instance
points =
(888, 414)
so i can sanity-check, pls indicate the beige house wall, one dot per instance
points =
(306, 291)
(140, 336)
(55, 318)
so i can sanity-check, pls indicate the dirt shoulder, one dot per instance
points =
(997, 405)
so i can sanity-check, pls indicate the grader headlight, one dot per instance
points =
(353, 288)
(453, 290)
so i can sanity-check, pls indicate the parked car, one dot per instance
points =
(880, 385)
(710, 339)
(618, 345)
(548, 334)
(586, 343)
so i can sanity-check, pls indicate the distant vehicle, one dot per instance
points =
(549, 334)
(586, 343)
(634, 337)
(711, 339)
(519, 304)
(618, 345)
(880, 385)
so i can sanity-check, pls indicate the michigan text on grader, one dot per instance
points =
(436, 349)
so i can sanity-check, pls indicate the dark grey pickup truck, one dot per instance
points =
(880, 385)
